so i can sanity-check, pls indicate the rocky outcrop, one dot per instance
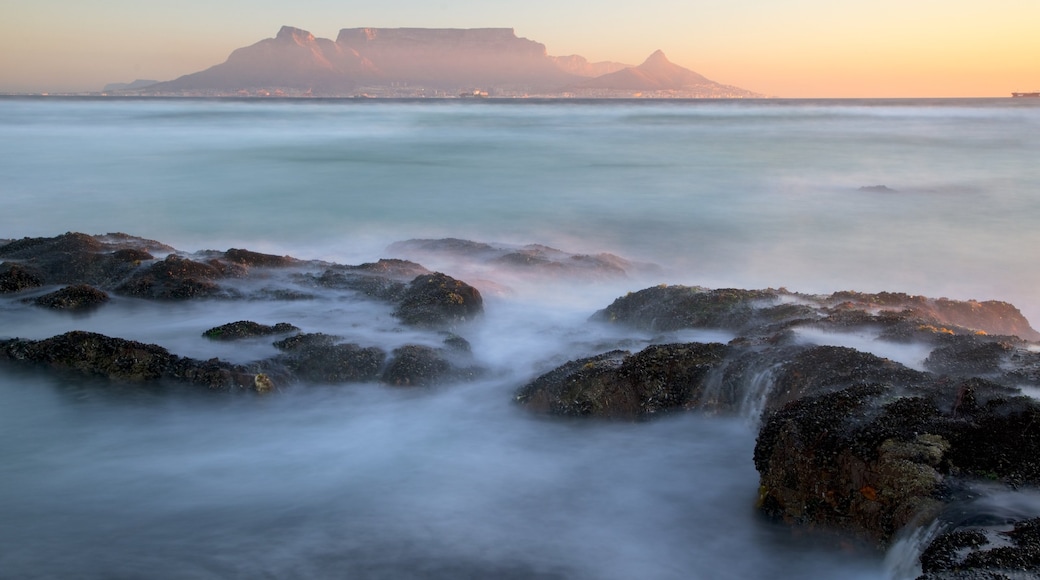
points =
(124, 360)
(321, 358)
(16, 278)
(439, 301)
(532, 260)
(874, 458)
(75, 297)
(247, 329)
(978, 552)
(622, 385)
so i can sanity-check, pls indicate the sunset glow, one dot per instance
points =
(798, 48)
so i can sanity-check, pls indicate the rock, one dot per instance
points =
(980, 552)
(258, 260)
(15, 278)
(530, 260)
(263, 383)
(319, 358)
(668, 308)
(823, 463)
(821, 369)
(75, 258)
(618, 384)
(969, 355)
(174, 278)
(247, 329)
(953, 316)
(439, 301)
(417, 365)
(76, 297)
(874, 458)
(123, 360)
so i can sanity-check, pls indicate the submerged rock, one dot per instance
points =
(320, 358)
(247, 329)
(76, 297)
(417, 365)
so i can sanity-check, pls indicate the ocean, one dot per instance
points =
(932, 197)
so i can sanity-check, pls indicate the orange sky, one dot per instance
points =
(786, 48)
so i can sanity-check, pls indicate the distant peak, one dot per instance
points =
(657, 57)
(293, 34)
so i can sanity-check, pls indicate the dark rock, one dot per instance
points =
(822, 369)
(416, 365)
(996, 436)
(258, 260)
(318, 358)
(124, 360)
(132, 255)
(974, 552)
(969, 355)
(873, 458)
(439, 301)
(77, 297)
(618, 384)
(668, 308)
(174, 278)
(15, 278)
(299, 342)
(75, 258)
(372, 286)
(828, 462)
(247, 329)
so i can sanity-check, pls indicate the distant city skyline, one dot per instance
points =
(793, 48)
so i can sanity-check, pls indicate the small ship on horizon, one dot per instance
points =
(1032, 94)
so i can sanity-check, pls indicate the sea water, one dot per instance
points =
(940, 198)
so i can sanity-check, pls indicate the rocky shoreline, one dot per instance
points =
(849, 442)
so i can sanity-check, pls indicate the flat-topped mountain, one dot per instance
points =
(428, 62)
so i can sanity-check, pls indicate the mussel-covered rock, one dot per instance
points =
(320, 358)
(984, 552)
(619, 384)
(75, 297)
(247, 329)
(75, 258)
(439, 301)
(666, 308)
(15, 278)
(174, 278)
(873, 458)
(417, 365)
(123, 360)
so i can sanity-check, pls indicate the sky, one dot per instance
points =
(783, 48)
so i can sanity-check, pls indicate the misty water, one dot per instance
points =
(103, 480)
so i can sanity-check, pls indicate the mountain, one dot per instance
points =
(659, 75)
(137, 84)
(429, 62)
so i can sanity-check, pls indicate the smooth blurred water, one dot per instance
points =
(363, 481)
(732, 193)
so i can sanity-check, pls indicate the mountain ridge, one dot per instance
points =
(423, 62)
